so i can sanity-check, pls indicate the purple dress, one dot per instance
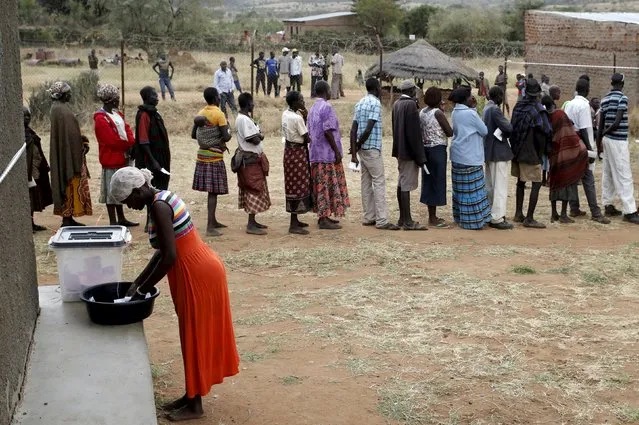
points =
(330, 194)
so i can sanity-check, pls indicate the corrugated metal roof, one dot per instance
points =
(318, 17)
(628, 18)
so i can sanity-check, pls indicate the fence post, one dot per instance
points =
(381, 57)
(252, 60)
(123, 105)
(614, 63)
(505, 102)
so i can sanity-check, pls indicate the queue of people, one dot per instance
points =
(483, 152)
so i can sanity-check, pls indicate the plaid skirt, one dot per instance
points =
(297, 180)
(471, 209)
(330, 194)
(211, 177)
(254, 203)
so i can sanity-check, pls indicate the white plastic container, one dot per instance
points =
(88, 256)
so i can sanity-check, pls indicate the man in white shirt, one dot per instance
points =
(317, 69)
(578, 110)
(223, 82)
(337, 61)
(296, 71)
(284, 68)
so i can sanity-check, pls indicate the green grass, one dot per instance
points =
(291, 380)
(405, 402)
(523, 269)
(627, 414)
(594, 278)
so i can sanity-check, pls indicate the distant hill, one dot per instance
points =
(294, 8)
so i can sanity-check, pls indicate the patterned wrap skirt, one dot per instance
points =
(330, 194)
(77, 200)
(254, 203)
(210, 173)
(471, 209)
(297, 179)
(105, 187)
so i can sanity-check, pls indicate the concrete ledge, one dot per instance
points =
(81, 373)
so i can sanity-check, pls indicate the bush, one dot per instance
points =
(84, 97)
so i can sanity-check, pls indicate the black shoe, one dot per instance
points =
(504, 225)
(611, 211)
(631, 218)
(601, 219)
(577, 213)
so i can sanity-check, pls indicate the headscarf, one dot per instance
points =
(128, 178)
(108, 93)
(58, 89)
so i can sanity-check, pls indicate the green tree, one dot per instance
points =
(30, 12)
(378, 16)
(515, 16)
(453, 25)
(416, 21)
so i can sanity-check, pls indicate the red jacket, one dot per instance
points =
(111, 146)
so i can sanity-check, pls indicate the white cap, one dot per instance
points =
(285, 49)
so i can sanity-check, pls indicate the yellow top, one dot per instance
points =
(214, 115)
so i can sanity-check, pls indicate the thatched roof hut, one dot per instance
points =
(421, 60)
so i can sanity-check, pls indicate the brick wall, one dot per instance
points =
(553, 38)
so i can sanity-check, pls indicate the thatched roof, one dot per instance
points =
(423, 61)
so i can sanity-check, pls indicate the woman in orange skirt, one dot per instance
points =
(198, 287)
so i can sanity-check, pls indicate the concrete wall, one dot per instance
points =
(18, 276)
(344, 24)
(553, 38)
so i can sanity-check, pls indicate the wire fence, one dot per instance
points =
(129, 63)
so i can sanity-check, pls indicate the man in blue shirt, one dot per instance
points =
(366, 141)
(272, 75)
(612, 140)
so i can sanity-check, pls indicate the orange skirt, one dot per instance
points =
(201, 298)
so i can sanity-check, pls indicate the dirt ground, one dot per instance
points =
(361, 326)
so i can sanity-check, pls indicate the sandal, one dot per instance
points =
(414, 226)
(440, 225)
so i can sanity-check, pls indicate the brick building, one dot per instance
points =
(344, 22)
(579, 40)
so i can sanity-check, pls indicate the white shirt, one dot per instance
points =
(296, 65)
(119, 124)
(293, 127)
(578, 110)
(338, 63)
(223, 81)
(245, 128)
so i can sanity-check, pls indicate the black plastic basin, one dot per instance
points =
(104, 311)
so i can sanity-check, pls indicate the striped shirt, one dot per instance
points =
(369, 108)
(614, 101)
(182, 224)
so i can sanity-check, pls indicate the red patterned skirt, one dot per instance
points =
(330, 194)
(297, 179)
(254, 203)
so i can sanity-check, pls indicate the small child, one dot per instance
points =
(359, 79)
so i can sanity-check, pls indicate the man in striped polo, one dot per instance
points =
(612, 140)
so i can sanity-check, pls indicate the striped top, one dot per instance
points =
(613, 102)
(182, 223)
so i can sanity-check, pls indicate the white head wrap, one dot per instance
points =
(108, 93)
(58, 89)
(128, 178)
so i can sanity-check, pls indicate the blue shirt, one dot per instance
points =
(271, 66)
(467, 146)
(369, 108)
(614, 101)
